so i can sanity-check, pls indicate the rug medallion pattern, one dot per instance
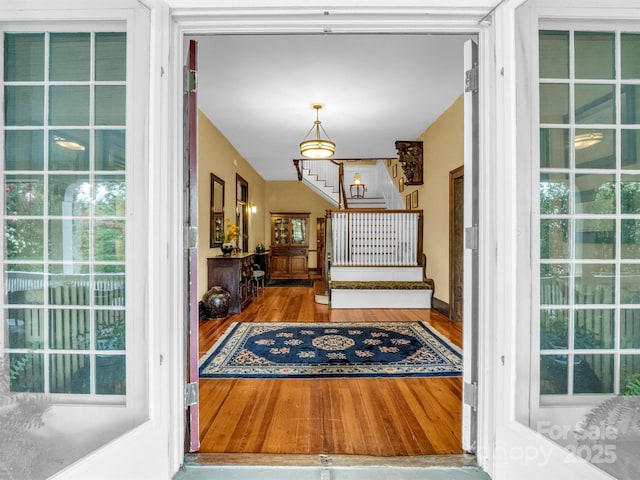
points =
(279, 350)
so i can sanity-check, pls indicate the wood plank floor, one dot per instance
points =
(363, 416)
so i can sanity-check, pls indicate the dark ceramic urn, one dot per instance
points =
(215, 303)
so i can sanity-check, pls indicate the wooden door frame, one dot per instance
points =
(454, 175)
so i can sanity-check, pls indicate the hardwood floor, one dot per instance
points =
(363, 416)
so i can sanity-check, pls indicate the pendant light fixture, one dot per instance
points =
(317, 147)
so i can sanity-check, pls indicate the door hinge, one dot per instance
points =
(190, 394)
(471, 79)
(470, 395)
(193, 80)
(471, 238)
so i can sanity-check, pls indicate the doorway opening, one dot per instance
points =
(402, 401)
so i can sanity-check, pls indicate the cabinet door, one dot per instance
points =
(298, 265)
(299, 231)
(279, 265)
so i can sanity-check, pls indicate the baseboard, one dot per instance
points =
(440, 306)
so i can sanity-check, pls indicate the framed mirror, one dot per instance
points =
(216, 222)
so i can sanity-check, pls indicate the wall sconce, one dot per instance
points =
(253, 208)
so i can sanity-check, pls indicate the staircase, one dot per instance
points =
(379, 287)
(375, 260)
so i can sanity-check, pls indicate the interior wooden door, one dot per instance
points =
(456, 243)
(320, 229)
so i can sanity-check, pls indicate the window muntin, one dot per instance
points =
(589, 215)
(64, 319)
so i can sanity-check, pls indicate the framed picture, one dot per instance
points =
(401, 184)
(407, 201)
(394, 170)
(414, 199)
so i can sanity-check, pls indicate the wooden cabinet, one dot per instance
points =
(235, 275)
(289, 245)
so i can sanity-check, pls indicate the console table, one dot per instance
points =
(234, 274)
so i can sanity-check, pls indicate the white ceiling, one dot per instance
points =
(258, 91)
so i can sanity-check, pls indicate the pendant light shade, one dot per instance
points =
(317, 147)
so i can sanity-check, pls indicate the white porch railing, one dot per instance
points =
(388, 238)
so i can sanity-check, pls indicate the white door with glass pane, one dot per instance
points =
(587, 218)
(66, 324)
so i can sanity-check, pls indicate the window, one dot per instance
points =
(589, 213)
(64, 221)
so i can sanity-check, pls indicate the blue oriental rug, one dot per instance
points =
(308, 350)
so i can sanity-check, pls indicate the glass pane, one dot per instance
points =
(554, 284)
(24, 195)
(110, 195)
(69, 329)
(595, 104)
(68, 285)
(69, 240)
(554, 148)
(630, 328)
(23, 57)
(630, 283)
(25, 284)
(595, 194)
(110, 330)
(110, 283)
(595, 239)
(69, 105)
(554, 239)
(630, 239)
(69, 195)
(69, 57)
(630, 149)
(595, 284)
(629, 371)
(23, 150)
(111, 56)
(630, 104)
(27, 372)
(109, 241)
(594, 55)
(554, 193)
(111, 375)
(26, 327)
(110, 105)
(630, 51)
(554, 329)
(69, 373)
(110, 150)
(24, 239)
(593, 329)
(24, 105)
(554, 54)
(69, 150)
(553, 375)
(595, 148)
(593, 374)
(554, 103)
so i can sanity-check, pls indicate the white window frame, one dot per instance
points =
(146, 349)
(542, 403)
(132, 385)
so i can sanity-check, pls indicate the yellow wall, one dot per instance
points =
(294, 196)
(443, 151)
(216, 155)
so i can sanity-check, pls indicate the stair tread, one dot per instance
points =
(379, 285)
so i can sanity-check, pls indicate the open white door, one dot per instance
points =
(191, 251)
(470, 301)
